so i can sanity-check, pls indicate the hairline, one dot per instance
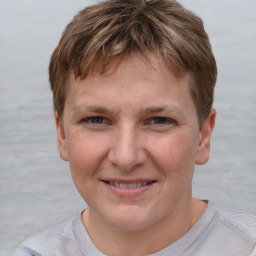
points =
(112, 66)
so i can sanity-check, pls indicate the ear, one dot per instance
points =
(61, 138)
(203, 149)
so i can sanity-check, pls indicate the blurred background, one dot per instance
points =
(36, 189)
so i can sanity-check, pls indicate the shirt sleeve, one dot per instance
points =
(24, 251)
(253, 253)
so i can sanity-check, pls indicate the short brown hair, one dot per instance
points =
(117, 28)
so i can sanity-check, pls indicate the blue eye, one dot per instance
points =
(96, 123)
(159, 120)
(95, 120)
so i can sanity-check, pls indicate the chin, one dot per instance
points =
(130, 219)
(129, 225)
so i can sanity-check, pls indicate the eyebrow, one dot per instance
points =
(148, 110)
(94, 109)
(152, 110)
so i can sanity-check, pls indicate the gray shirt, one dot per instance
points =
(218, 232)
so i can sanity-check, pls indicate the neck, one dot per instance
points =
(114, 242)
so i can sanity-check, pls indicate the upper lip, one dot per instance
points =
(130, 181)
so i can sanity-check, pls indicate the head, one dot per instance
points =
(115, 29)
(133, 83)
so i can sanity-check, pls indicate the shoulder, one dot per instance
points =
(240, 221)
(59, 240)
(231, 231)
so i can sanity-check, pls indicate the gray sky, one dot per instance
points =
(36, 184)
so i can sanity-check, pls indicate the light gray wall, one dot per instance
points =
(36, 189)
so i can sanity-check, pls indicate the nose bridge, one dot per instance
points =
(127, 151)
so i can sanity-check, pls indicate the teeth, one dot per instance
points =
(130, 185)
(133, 185)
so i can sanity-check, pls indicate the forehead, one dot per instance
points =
(143, 65)
(135, 83)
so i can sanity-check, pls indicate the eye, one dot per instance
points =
(160, 123)
(94, 120)
(159, 120)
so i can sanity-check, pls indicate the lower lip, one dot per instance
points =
(128, 192)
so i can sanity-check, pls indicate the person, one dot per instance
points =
(133, 84)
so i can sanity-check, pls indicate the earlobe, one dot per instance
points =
(61, 138)
(203, 149)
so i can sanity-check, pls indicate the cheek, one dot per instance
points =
(175, 155)
(175, 158)
(85, 154)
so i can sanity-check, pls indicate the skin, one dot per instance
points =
(135, 123)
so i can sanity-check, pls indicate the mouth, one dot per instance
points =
(129, 184)
(128, 188)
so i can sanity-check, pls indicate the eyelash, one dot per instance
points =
(155, 121)
(94, 117)
(160, 120)
(95, 120)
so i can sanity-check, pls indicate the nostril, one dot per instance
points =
(127, 160)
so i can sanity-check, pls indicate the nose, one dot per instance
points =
(126, 151)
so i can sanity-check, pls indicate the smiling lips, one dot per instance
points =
(128, 188)
(129, 185)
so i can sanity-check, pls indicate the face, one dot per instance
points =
(132, 140)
